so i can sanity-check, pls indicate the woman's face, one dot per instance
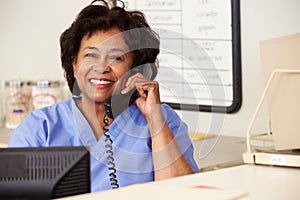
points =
(103, 59)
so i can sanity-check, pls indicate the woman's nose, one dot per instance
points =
(102, 66)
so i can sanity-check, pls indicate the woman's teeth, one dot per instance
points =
(100, 82)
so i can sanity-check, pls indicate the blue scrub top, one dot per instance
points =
(63, 124)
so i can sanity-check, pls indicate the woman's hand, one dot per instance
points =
(168, 159)
(149, 100)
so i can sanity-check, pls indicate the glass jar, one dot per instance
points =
(45, 93)
(18, 102)
(2, 117)
(65, 90)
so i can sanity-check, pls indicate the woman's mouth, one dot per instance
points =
(101, 83)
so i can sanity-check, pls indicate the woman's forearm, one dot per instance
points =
(168, 159)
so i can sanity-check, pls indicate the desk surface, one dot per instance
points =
(219, 152)
(240, 182)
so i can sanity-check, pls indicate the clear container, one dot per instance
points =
(2, 117)
(65, 90)
(17, 102)
(46, 93)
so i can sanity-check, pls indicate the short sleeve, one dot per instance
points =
(180, 131)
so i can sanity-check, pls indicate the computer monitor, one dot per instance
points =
(44, 172)
(282, 53)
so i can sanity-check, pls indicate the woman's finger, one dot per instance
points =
(132, 81)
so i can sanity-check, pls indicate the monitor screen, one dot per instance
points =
(44, 172)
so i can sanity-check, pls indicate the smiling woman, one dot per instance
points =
(105, 54)
(100, 64)
(111, 55)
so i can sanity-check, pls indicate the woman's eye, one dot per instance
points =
(92, 55)
(115, 57)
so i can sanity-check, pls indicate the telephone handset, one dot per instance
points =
(119, 102)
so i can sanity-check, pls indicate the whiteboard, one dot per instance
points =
(200, 54)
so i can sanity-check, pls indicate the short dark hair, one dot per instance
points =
(141, 39)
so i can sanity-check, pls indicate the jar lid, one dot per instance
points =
(47, 83)
(17, 83)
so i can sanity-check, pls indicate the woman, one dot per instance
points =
(145, 141)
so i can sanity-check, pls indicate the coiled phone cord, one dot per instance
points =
(110, 158)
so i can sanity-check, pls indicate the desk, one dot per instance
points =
(254, 181)
(218, 152)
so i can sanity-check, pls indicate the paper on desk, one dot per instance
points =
(199, 136)
(154, 192)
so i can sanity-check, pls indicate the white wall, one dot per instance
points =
(29, 39)
(29, 49)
